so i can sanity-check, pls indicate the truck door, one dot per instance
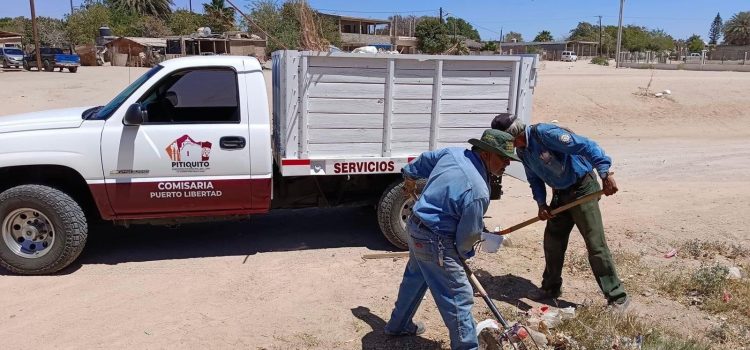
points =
(190, 156)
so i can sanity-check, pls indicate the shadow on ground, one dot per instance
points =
(511, 289)
(377, 340)
(283, 230)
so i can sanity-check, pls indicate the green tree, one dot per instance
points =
(83, 25)
(513, 35)
(715, 32)
(458, 26)
(432, 36)
(659, 40)
(183, 22)
(737, 29)
(544, 36)
(584, 31)
(695, 43)
(282, 23)
(490, 46)
(158, 8)
(153, 27)
(220, 16)
(635, 38)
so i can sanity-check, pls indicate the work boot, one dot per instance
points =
(620, 305)
(544, 294)
(419, 329)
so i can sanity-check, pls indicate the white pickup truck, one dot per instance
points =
(192, 139)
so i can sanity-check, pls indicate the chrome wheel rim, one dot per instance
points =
(407, 208)
(28, 233)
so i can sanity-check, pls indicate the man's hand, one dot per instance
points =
(410, 188)
(609, 185)
(544, 212)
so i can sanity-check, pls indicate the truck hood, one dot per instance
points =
(45, 120)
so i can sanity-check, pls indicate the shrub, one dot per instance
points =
(602, 61)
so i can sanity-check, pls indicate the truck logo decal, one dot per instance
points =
(188, 155)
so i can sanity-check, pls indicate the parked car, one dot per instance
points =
(11, 57)
(192, 140)
(53, 57)
(569, 56)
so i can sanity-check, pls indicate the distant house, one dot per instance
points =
(10, 39)
(359, 31)
(229, 43)
(135, 51)
(551, 50)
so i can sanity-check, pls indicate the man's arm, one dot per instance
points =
(558, 139)
(421, 167)
(469, 228)
(538, 189)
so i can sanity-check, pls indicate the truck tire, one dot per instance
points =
(42, 230)
(393, 211)
(48, 66)
(26, 65)
(73, 69)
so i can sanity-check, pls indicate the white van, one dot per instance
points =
(569, 56)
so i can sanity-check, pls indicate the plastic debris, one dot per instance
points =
(671, 253)
(727, 297)
(488, 323)
(734, 273)
(555, 121)
(667, 92)
(568, 313)
(658, 94)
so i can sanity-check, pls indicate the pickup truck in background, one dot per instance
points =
(52, 58)
(192, 139)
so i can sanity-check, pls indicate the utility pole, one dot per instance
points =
(441, 15)
(600, 36)
(71, 7)
(36, 37)
(191, 6)
(619, 35)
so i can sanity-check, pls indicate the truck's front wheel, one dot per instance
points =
(394, 209)
(43, 230)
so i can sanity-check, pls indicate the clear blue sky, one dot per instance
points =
(680, 18)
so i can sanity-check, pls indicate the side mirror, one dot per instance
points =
(135, 115)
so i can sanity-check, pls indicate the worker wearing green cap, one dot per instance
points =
(445, 225)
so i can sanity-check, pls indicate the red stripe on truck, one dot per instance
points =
(295, 162)
(148, 200)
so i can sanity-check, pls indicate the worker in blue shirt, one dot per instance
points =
(445, 225)
(565, 161)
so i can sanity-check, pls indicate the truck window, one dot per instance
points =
(207, 95)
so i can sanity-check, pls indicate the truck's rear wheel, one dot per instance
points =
(43, 230)
(26, 65)
(393, 211)
(48, 66)
(72, 69)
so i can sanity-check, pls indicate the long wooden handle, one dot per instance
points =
(556, 211)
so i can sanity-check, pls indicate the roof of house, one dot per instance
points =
(9, 35)
(541, 43)
(157, 42)
(357, 19)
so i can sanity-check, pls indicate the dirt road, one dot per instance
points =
(294, 279)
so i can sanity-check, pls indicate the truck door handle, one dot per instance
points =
(232, 142)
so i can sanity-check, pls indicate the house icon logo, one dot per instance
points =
(188, 155)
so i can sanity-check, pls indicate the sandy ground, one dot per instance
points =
(294, 279)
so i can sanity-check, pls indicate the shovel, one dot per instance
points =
(579, 201)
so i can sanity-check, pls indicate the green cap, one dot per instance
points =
(496, 141)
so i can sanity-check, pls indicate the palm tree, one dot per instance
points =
(544, 35)
(158, 8)
(737, 29)
(221, 17)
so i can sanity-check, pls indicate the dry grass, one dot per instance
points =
(595, 327)
(699, 249)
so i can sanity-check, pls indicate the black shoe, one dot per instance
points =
(419, 329)
(544, 294)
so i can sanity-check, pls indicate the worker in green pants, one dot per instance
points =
(565, 161)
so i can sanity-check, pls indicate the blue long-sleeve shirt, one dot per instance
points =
(455, 197)
(558, 158)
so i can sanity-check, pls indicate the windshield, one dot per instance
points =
(13, 52)
(106, 111)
